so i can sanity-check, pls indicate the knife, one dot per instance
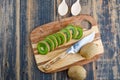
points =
(72, 50)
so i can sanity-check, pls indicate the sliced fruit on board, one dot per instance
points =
(58, 38)
(62, 37)
(50, 42)
(50, 28)
(79, 32)
(67, 33)
(43, 47)
(53, 38)
(73, 30)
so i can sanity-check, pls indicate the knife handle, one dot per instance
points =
(47, 65)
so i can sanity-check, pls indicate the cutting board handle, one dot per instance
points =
(88, 18)
(83, 17)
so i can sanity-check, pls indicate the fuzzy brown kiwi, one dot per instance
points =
(77, 73)
(89, 50)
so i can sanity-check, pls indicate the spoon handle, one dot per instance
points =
(63, 0)
(78, 0)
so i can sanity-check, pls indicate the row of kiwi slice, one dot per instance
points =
(63, 36)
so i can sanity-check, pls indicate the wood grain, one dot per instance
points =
(15, 26)
(108, 19)
(41, 32)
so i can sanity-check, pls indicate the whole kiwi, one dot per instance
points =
(89, 50)
(77, 73)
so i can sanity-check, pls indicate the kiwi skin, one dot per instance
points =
(89, 50)
(77, 73)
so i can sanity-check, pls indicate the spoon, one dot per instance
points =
(63, 8)
(76, 8)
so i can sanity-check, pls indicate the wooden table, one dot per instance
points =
(19, 17)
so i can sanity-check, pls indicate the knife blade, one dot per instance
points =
(77, 46)
(72, 50)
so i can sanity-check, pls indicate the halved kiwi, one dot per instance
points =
(58, 38)
(43, 47)
(73, 30)
(62, 37)
(50, 42)
(67, 33)
(79, 32)
(53, 38)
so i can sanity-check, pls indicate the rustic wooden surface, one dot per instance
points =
(19, 17)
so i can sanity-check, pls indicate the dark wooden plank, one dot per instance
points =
(33, 13)
(23, 40)
(107, 68)
(8, 40)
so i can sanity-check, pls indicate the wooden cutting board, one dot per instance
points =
(41, 32)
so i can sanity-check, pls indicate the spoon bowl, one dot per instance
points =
(63, 8)
(76, 8)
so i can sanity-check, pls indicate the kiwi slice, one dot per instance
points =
(53, 38)
(50, 42)
(43, 47)
(62, 37)
(67, 33)
(73, 30)
(58, 38)
(79, 33)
